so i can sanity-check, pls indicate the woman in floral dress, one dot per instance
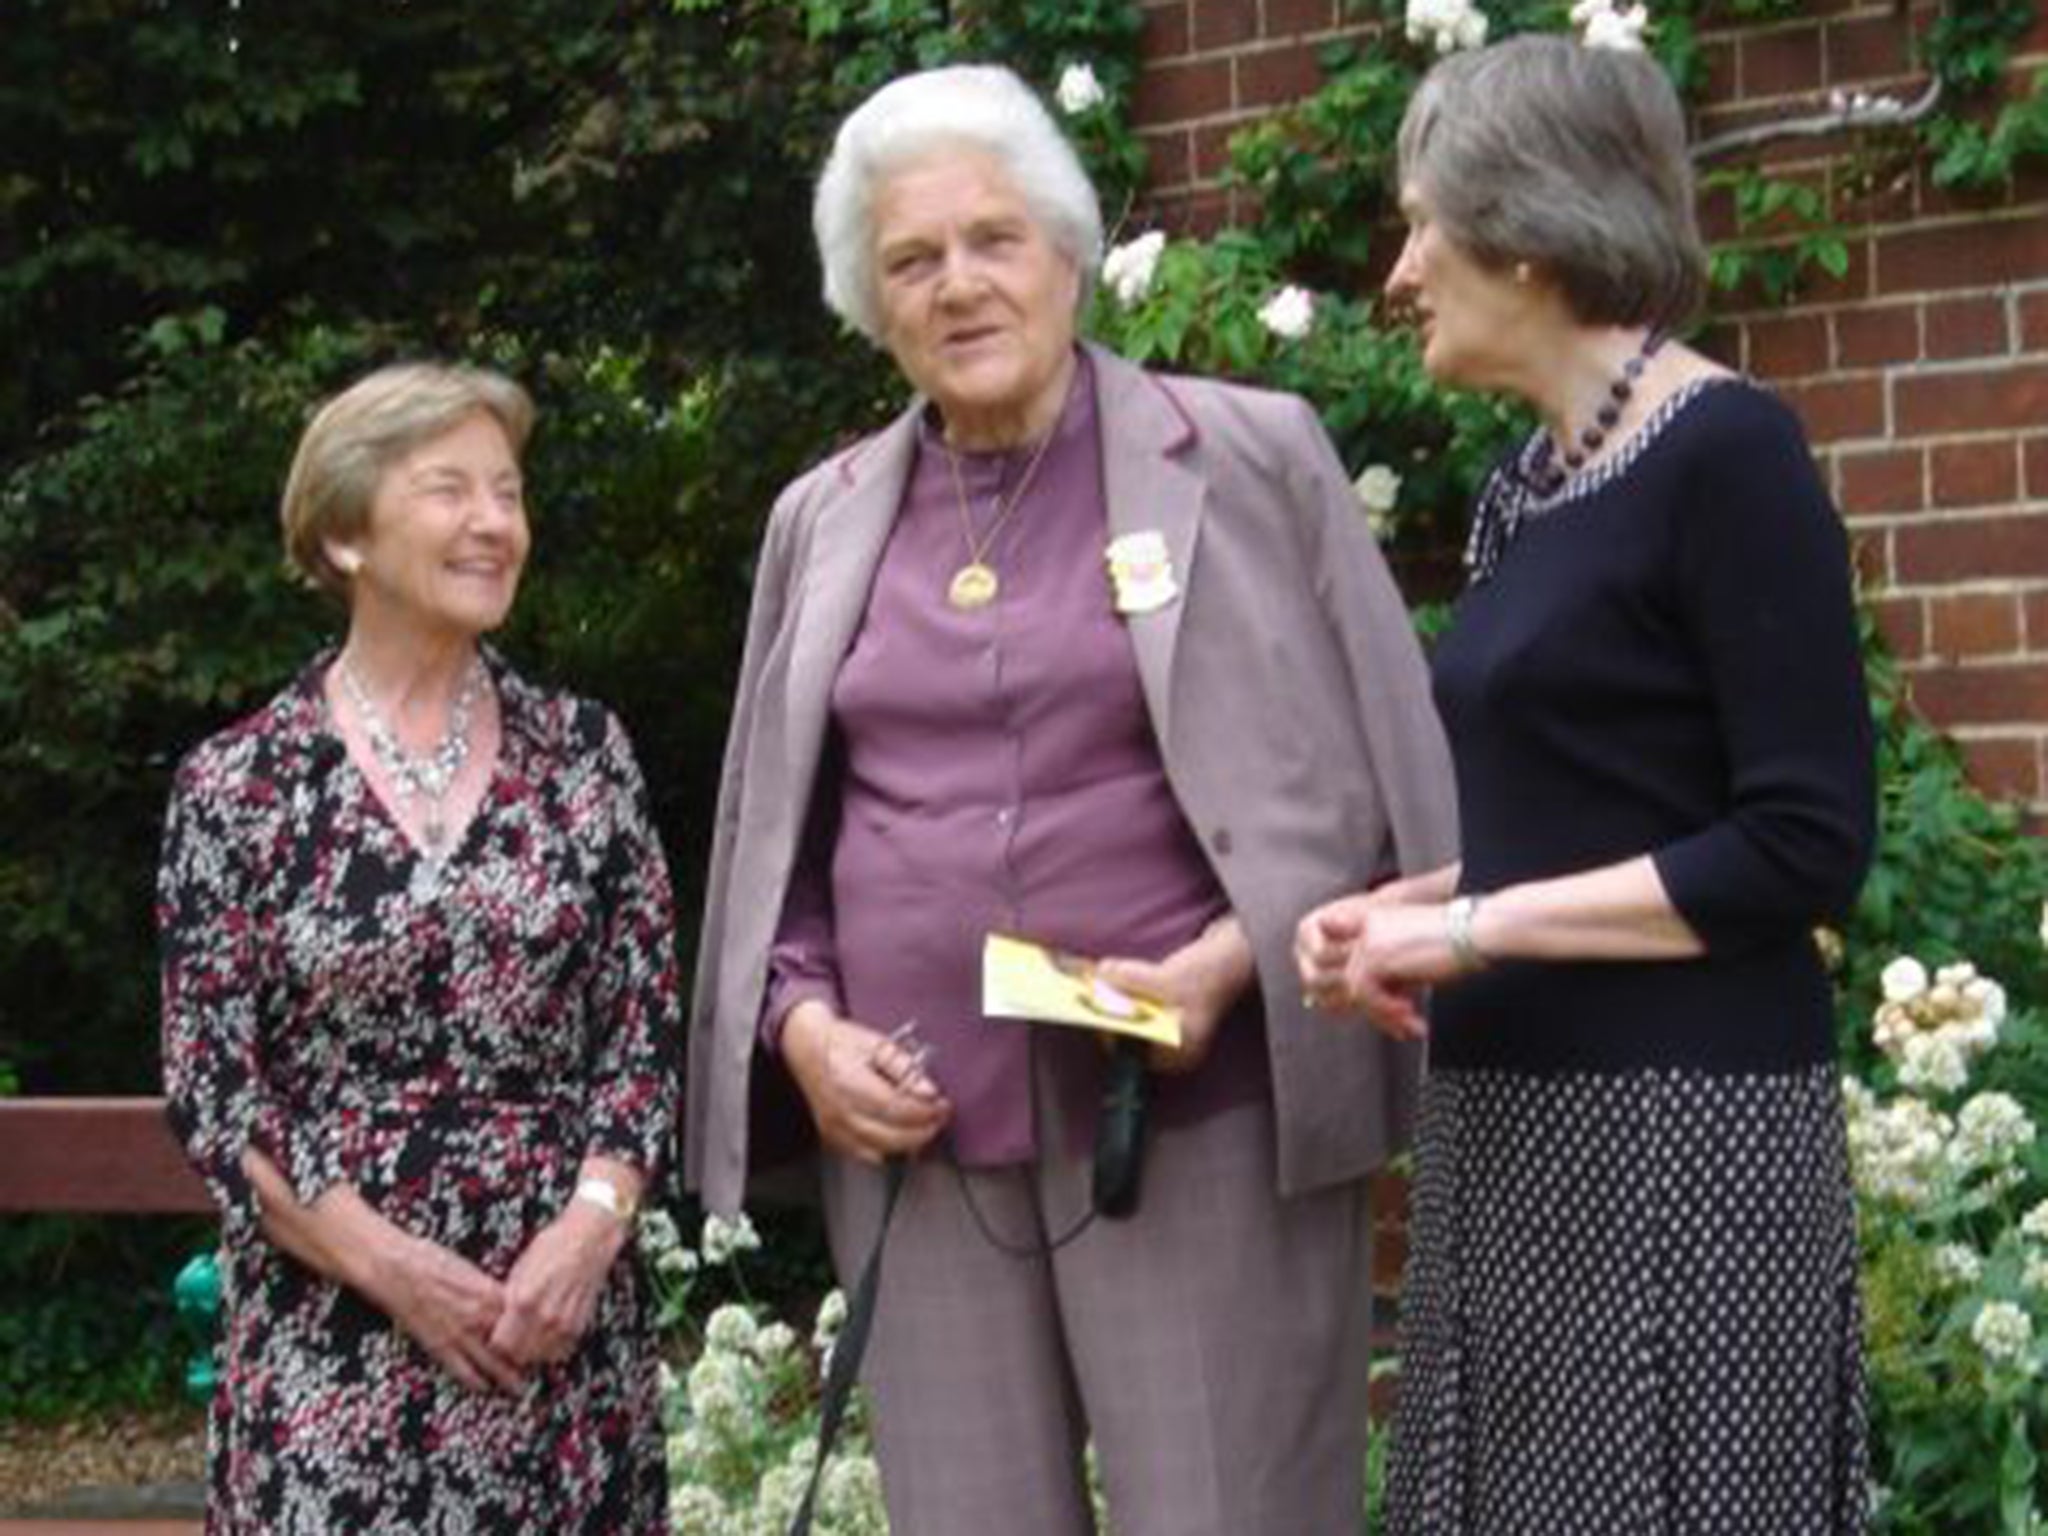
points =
(419, 1009)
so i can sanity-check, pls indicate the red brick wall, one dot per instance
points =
(1922, 375)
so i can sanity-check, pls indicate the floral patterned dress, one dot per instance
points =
(453, 1059)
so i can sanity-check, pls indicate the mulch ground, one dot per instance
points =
(40, 1463)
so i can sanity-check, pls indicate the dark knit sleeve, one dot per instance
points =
(1763, 587)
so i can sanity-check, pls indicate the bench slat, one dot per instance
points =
(101, 1155)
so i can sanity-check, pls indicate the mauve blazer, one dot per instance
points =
(1285, 687)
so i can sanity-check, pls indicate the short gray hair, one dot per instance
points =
(354, 438)
(1570, 158)
(979, 107)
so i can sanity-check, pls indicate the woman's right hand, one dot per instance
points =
(436, 1297)
(868, 1096)
(446, 1305)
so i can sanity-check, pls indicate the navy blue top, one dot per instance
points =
(1665, 661)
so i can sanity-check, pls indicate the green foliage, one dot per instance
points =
(1957, 877)
(1784, 236)
(211, 217)
(86, 1319)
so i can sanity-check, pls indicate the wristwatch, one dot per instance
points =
(603, 1192)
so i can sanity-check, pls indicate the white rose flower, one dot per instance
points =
(774, 1341)
(731, 1328)
(1378, 488)
(695, 1510)
(2003, 1332)
(831, 1318)
(718, 1392)
(723, 1240)
(1445, 25)
(1619, 30)
(1932, 1061)
(1958, 1264)
(657, 1231)
(1991, 1130)
(2035, 1275)
(1289, 313)
(1989, 999)
(2035, 1223)
(1128, 268)
(1079, 90)
(1898, 1151)
(1903, 980)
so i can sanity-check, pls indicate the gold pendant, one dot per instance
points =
(973, 586)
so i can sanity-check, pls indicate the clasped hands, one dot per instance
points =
(1376, 953)
(489, 1334)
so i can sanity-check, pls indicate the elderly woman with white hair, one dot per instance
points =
(1111, 661)
(419, 1005)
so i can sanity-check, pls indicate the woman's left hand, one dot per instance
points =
(1377, 957)
(551, 1293)
(1204, 979)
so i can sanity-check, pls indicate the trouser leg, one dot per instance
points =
(976, 1424)
(1220, 1339)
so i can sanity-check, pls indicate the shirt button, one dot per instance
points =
(1220, 839)
(1005, 817)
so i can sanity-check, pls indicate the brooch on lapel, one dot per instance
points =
(1141, 572)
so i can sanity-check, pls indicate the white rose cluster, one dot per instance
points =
(1446, 25)
(1079, 91)
(1603, 24)
(2035, 1223)
(724, 1240)
(2004, 1332)
(1289, 313)
(1898, 1151)
(1379, 490)
(1127, 269)
(1991, 1132)
(1932, 1028)
(718, 1393)
(1957, 1264)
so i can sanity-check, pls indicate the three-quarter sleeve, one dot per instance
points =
(635, 1008)
(218, 962)
(1763, 584)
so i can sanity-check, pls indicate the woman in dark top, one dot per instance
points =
(1632, 1302)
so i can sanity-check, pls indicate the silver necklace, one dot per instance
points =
(424, 779)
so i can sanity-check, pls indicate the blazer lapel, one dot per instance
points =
(846, 546)
(1148, 488)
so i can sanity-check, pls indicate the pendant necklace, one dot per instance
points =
(427, 778)
(976, 584)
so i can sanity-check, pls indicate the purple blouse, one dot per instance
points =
(996, 769)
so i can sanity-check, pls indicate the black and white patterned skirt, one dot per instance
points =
(1631, 1309)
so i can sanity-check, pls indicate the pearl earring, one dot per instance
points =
(1523, 273)
(347, 561)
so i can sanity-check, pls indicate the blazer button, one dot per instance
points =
(1220, 840)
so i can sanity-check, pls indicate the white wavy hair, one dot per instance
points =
(980, 107)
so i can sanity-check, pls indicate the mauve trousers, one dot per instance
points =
(1214, 1345)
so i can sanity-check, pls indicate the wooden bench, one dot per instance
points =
(107, 1157)
(110, 1157)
